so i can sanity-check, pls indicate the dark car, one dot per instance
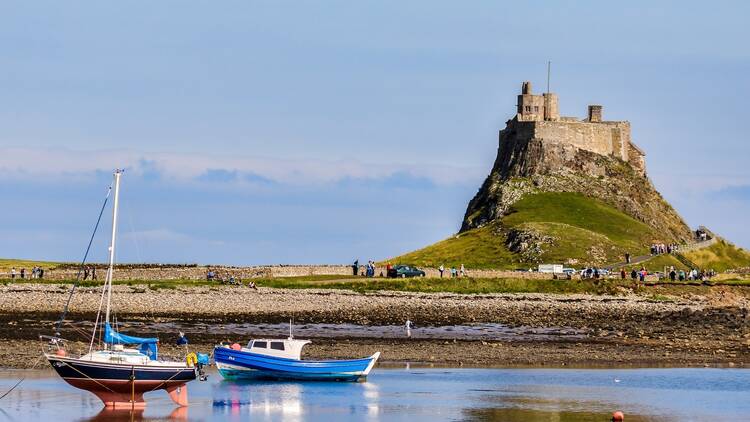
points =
(404, 271)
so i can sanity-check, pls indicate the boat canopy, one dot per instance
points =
(148, 345)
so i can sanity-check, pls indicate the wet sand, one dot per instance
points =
(697, 328)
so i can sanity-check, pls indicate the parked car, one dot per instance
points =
(404, 271)
(569, 271)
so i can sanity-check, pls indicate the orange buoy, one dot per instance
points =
(236, 346)
(61, 353)
(618, 416)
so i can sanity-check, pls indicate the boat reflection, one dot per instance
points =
(238, 400)
(122, 415)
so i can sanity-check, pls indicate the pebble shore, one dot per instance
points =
(688, 330)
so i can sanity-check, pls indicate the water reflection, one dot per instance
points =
(537, 395)
(128, 415)
(526, 415)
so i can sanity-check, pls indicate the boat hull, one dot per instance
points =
(238, 364)
(120, 385)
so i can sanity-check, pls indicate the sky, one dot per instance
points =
(273, 132)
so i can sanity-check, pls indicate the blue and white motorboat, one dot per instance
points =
(281, 359)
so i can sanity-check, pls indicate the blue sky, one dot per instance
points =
(319, 132)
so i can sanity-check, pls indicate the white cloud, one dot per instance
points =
(37, 163)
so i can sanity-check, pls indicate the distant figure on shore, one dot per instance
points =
(463, 270)
(408, 328)
(627, 258)
(251, 284)
(442, 270)
(633, 274)
(86, 273)
(93, 273)
(182, 340)
(13, 273)
(23, 272)
(622, 273)
(454, 273)
(355, 267)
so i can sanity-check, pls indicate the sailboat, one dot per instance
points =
(123, 367)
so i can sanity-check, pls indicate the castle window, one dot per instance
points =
(528, 109)
(536, 109)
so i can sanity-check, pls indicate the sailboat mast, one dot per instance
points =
(108, 281)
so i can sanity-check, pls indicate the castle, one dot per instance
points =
(538, 118)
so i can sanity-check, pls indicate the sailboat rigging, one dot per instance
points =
(116, 372)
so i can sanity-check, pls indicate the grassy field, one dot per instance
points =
(575, 222)
(720, 257)
(465, 285)
(7, 264)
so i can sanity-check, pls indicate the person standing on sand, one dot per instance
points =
(627, 258)
(463, 270)
(355, 267)
(13, 273)
(442, 270)
(23, 272)
(408, 328)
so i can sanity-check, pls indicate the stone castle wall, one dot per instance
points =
(605, 138)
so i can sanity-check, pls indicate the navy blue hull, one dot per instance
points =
(234, 364)
(123, 384)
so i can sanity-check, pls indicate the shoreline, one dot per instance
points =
(710, 329)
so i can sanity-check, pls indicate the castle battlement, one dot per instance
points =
(538, 118)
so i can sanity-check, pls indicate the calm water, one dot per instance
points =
(417, 394)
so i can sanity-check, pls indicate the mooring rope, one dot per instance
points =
(83, 262)
(22, 378)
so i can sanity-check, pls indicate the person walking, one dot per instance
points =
(627, 257)
(23, 273)
(441, 268)
(463, 270)
(408, 328)
(355, 267)
(13, 273)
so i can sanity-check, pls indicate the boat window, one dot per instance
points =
(259, 344)
(277, 345)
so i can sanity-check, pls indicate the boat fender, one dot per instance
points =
(236, 346)
(191, 359)
(61, 353)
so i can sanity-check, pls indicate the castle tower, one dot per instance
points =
(595, 113)
(535, 108)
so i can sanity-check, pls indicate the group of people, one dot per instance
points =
(369, 269)
(661, 248)
(227, 278)
(36, 272)
(453, 271)
(639, 275)
(693, 274)
(89, 272)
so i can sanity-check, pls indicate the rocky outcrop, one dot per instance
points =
(526, 165)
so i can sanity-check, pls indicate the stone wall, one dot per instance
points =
(270, 271)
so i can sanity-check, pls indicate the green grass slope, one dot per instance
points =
(582, 228)
(720, 256)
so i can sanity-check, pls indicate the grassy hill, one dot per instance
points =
(720, 256)
(567, 225)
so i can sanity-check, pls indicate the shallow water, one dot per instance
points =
(416, 394)
(237, 331)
